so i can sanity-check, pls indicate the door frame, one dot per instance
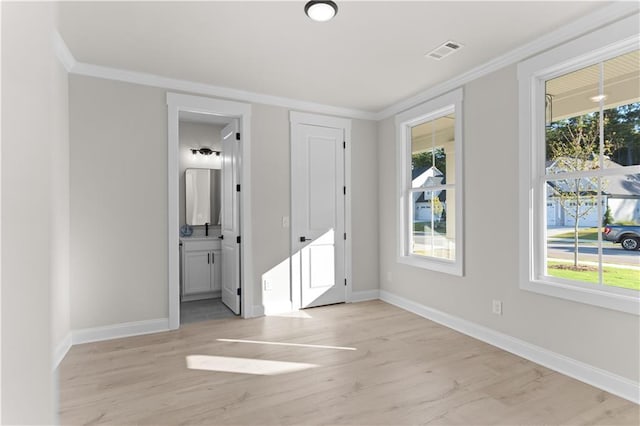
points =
(296, 118)
(177, 102)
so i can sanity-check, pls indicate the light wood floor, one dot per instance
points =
(404, 370)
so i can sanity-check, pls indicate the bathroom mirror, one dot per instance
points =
(202, 196)
(198, 196)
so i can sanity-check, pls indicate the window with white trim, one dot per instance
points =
(429, 184)
(580, 170)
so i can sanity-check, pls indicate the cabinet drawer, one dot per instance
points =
(200, 244)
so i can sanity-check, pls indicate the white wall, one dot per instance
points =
(364, 205)
(199, 135)
(35, 198)
(270, 198)
(118, 143)
(118, 201)
(599, 337)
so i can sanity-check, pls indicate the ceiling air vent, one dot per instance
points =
(445, 49)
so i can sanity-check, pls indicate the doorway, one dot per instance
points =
(320, 210)
(238, 115)
(208, 210)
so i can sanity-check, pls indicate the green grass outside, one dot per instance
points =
(441, 226)
(583, 234)
(615, 277)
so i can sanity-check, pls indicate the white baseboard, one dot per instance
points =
(605, 380)
(363, 296)
(116, 331)
(61, 350)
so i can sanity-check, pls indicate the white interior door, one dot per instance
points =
(229, 218)
(318, 214)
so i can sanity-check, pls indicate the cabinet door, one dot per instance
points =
(197, 272)
(216, 270)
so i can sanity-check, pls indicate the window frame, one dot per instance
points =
(430, 110)
(606, 43)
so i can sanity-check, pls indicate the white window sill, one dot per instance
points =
(433, 264)
(591, 295)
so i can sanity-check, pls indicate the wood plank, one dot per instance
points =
(404, 370)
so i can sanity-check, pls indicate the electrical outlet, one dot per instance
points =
(497, 307)
(266, 285)
(285, 221)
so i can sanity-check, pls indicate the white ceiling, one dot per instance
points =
(369, 57)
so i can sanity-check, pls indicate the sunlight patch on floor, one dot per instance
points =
(292, 314)
(298, 345)
(244, 365)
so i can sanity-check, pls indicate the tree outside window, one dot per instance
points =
(592, 173)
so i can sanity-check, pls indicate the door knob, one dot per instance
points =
(303, 239)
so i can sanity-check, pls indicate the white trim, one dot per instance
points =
(365, 295)
(116, 331)
(296, 118)
(576, 28)
(605, 380)
(576, 293)
(435, 108)
(258, 311)
(277, 307)
(154, 80)
(63, 53)
(179, 102)
(606, 42)
(1, 223)
(348, 229)
(61, 350)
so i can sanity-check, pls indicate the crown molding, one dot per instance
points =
(62, 52)
(581, 26)
(147, 79)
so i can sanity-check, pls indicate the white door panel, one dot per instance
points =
(229, 219)
(317, 183)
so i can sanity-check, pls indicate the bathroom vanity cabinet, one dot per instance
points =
(201, 273)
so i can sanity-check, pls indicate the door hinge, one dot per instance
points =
(344, 144)
(237, 136)
(345, 281)
(238, 188)
(238, 292)
(344, 190)
(238, 239)
(345, 235)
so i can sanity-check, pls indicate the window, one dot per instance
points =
(580, 169)
(430, 189)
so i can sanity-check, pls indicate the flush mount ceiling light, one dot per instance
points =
(598, 98)
(321, 11)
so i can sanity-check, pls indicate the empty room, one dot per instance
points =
(320, 212)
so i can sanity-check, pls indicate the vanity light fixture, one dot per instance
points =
(204, 151)
(321, 10)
